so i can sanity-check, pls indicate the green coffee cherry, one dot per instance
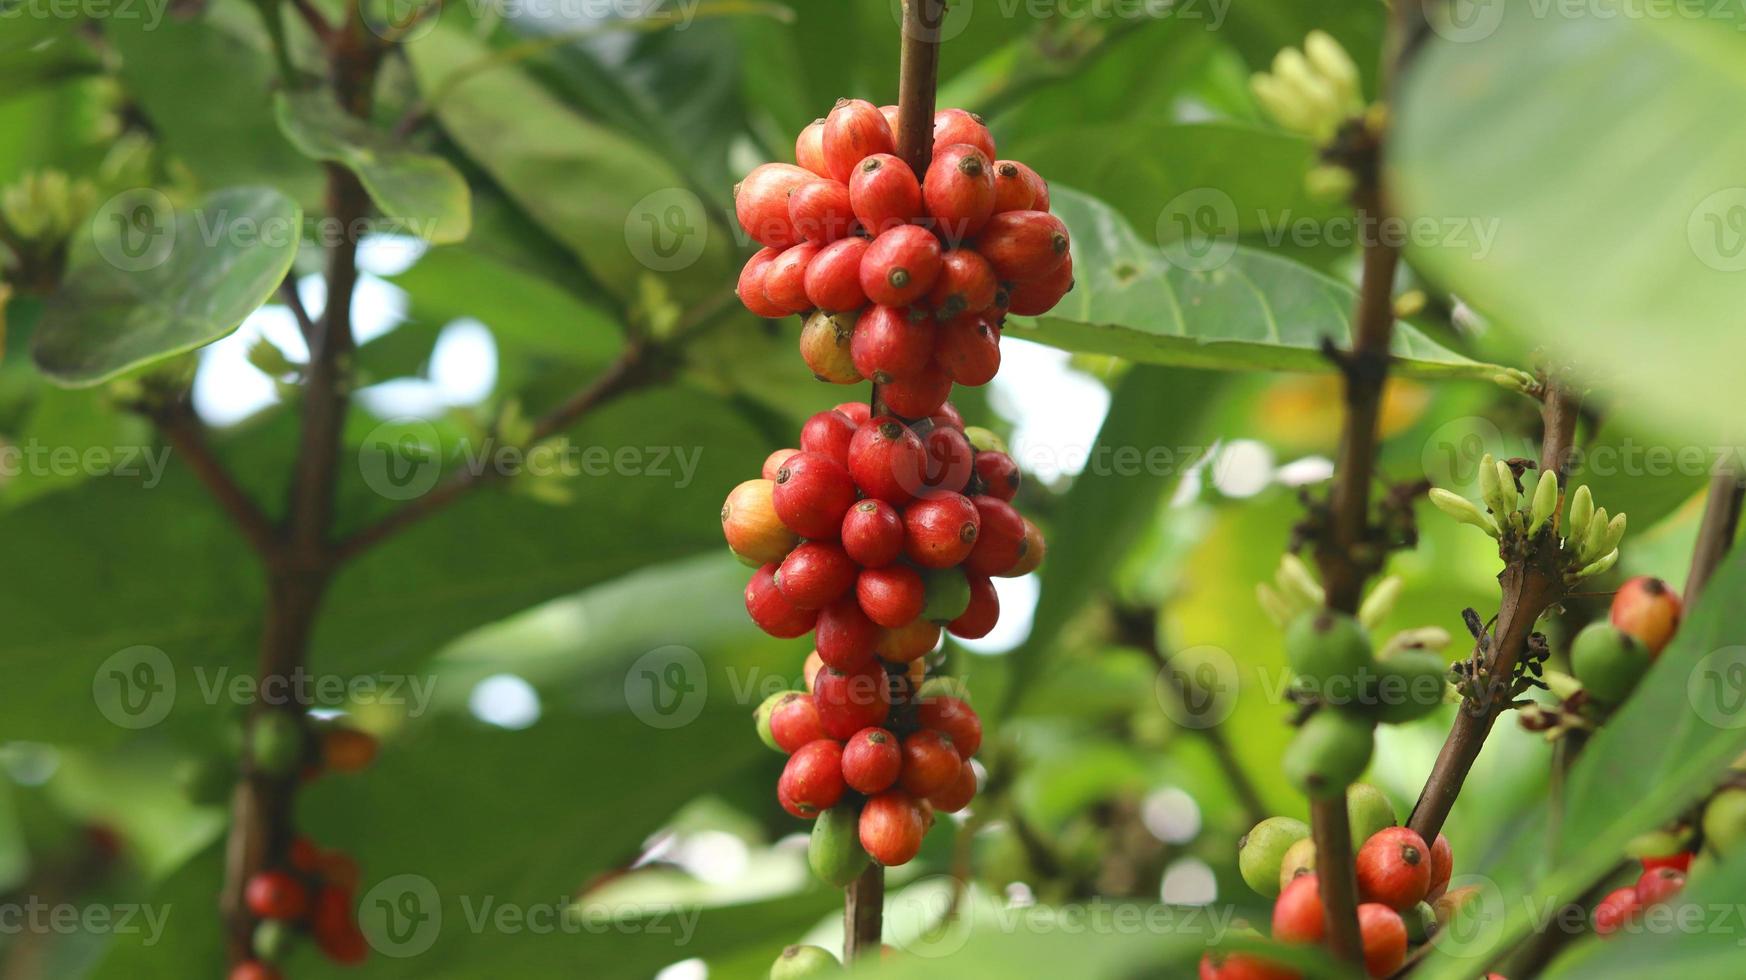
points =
(276, 743)
(948, 595)
(984, 440)
(1659, 843)
(835, 852)
(1328, 753)
(1262, 851)
(1300, 859)
(205, 781)
(1406, 687)
(762, 717)
(1421, 923)
(272, 940)
(1725, 821)
(1608, 662)
(1324, 645)
(1368, 811)
(801, 962)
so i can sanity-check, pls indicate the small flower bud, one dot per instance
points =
(1296, 582)
(1615, 533)
(1380, 602)
(1330, 182)
(1508, 497)
(1598, 566)
(1462, 510)
(1545, 501)
(1332, 62)
(1490, 490)
(1562, 685)
(1592, 539)
(1275, 607)
(1581, 511)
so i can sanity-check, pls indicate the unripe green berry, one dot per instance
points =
(762, 718)
(1328, 753)
(1324, 645)
(801, 962)
(1608, 662)
(1725, 821)
(1262, 850)
(1367, 811)
(276, 743)
(835, 852)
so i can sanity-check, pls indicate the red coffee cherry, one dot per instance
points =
(275, 895)
(772, 611)
(1023, 245)
(1617, 910)
(833, 277)
(950, 460)
(954, 718)
(854, 130)
(773, 464)
(1216, 965)
(1039, 296)
(750, 288)
(820, 211)
(958, 793)
(918, 395)
(846, 636)
(1680, 862)
(958, 190)
(809, 148)
(930, 764)
(816, 574)
(890, 113)
(1297, 913)
(858, 412)
(1385, 939)
(947, 415)
(1394, 868)
(253, 970)
(1442, 866)
(883, 193)
(883, 454)
(1648, 610)
(1039, 187)
(1657, 886)
(966, 284)
(940, 532)
(851, 700)
(892, 596)
(900, 266)
(907, 643)
(983, 612)
(958, 126)
(1000, 537)
(303, 855)
(888, 344)
(968, 350)
(873, 533)
(1013, 191)
(795, 721)
(998, 473)
(812, 493)
(335, 928)
(813, 779)
(891, 828)
(871, 761)
(785, 278)
(761, 202)
(828, 433)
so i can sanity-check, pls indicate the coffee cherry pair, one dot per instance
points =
(281, 742)
(1624, 908)
(1609, 658)
(315, 893)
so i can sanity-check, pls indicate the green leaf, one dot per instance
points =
(422, 190)
(1629, 267)
(155, 282)
(1247, 311)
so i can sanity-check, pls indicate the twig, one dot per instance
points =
(863, 914)
(183, 431)
(1716, 532)
(294, 302)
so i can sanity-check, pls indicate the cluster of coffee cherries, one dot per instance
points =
(908, 277)
(314, 895)
(1403, 888)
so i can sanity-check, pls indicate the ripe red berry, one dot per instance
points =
(892, 596)
(1617, 910)
(303, 855)
(891, 828)
(955, 718)
(1394, 868)
(966, 284)
(750, 288)
(888, 344)
(983, 612)
(884, 458)
(1216, 965)
(908, 643)
(1038, 296)
(900, 266)
(253, 970)
(958, 190)
(871, 761)
(773, 463)
(1659, 885)
(772, 611)
(884, 193)
(873, 533)
(968, 349)
(940, 532)
(851, 700)
(858, 412)
(829, 433)
(1023, 245)
(335, 927)
(761, 202)
(820, 211)
(1648, 610)
(846, 636)
(785, 278)
(809, 148)
(813, 779)
(957, 794)
(950, 460)
(1000, 537)
(890, 113)
(919, 395)
(1385, 939)
(795, 721)
(958, 126)
(998, 473)
(812, 493)
(1680, 862)
(1297, 913)
(930, 764)
(1039, 187)
(833, 277)
(1442, 866)
(854, 130)
(276, 895)
(816, 574)
(1013, 191)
